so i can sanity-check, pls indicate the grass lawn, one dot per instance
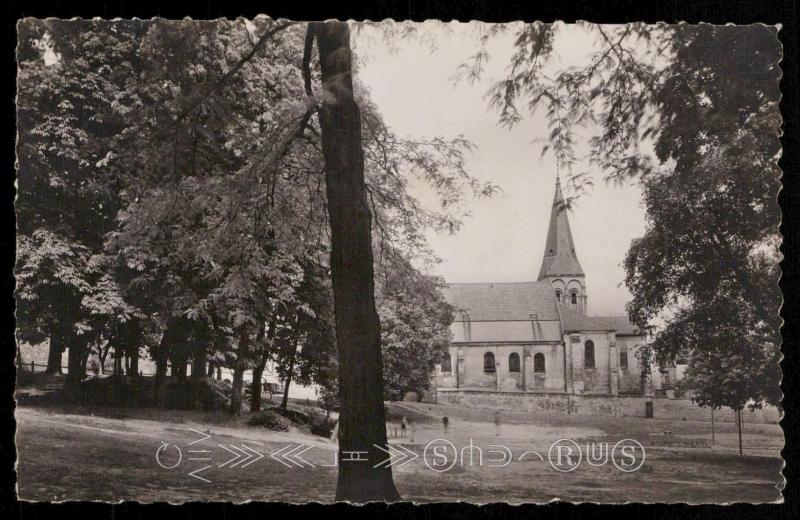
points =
(91, 453)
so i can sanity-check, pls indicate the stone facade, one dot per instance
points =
(536, 337)
(516, 367)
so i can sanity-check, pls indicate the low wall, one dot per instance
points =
(663, 408)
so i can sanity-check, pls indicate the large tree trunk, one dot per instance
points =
(258, 370)
(362, 421)
(76, 363)
(289, 372)
(56, 349)
(133, 368)
(286, 385)
(75, 370)
(236, 389)
(238, 374)
(118, 355)
(178, 368)
(161, 356)
(160, 380)
(255, 387)
(199, 363)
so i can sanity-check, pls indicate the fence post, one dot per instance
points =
(33, 367)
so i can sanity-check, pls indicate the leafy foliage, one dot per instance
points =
(415, 333)
(706, 99)
(172, 195)
(710, 254)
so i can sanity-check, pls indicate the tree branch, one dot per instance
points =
(307, 50)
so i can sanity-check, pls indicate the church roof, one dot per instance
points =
(622, 325)
(560, 258)
(574, 321)
(503, 301)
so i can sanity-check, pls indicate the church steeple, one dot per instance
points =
(560, 264)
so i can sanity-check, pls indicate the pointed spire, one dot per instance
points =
(560, 258)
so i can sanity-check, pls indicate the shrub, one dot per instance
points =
(268, 420)
(293, 415)
(320, 425)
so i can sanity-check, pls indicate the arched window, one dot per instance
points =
(447, 365)
(558, 296)
(574, 299)
(538, 363)
(513, 362)
(588, 354)
(488, 362)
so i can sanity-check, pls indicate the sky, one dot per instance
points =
(503, 239)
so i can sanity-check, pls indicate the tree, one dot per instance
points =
(306, 344)
(709, 257)
(259, 183)
(415, 327)
(51, 284)
(66, 86)
(194, 230)
(706, 98)
(222, 181)
(109, 317)
(362, 424)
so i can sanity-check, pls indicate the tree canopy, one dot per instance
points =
(171, 176)
(691, 114)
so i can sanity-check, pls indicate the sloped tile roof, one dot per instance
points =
(621, 324)
(503, 301)
(574, 321)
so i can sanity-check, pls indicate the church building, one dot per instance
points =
(536, 337)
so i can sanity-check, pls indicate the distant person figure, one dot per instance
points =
(413, 429)
(445, 423)
(497, 423)
(403, 427)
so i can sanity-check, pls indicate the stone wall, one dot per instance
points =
(590, 380)
(663, 408)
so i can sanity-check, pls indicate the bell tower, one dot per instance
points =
(560, 264)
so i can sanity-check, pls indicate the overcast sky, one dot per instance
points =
(503, 240)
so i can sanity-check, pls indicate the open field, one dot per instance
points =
(83, 453)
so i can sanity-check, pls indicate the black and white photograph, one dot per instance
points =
(262, 259)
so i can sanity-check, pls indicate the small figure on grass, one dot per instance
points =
(403, 427)
(445, 423)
